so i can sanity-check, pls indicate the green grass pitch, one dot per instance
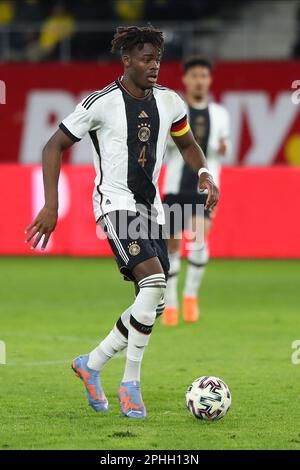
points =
(52, 309)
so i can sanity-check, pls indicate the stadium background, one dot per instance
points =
(54, 307)
(43, 46)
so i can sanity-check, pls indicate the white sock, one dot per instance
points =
(197, 260)
(142, 318)
(132, 371)
(171, 298)
(114, 342)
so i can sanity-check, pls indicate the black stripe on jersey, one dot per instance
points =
(89, 97)
(100, 96)
(93, 136)
(95, 93)
(68, 133)
(95, 98)
(142, 135)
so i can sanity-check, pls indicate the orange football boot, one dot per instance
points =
(170, 317)
(190, 309)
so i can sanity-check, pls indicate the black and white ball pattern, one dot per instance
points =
(208, 398)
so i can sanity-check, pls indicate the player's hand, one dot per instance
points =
(43, 225)
(206, 182)
(222, 147)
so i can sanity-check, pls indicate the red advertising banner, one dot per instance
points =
(262, 98)
(256, 216)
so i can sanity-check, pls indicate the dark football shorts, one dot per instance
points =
(176, 225)
(133, 239)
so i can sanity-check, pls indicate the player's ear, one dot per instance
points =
(183, 79)
(126, 60)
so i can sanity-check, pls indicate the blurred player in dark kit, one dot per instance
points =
(209, 122)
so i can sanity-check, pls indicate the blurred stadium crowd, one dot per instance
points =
(35, 30)
(51, 23)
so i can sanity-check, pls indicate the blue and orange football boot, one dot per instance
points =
(91, 379)
(131, 402)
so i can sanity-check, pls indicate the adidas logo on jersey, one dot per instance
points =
(108, 202)
(143, 114)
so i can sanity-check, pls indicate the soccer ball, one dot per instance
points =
(208, 398)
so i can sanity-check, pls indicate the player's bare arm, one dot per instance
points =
(195, 158)
(45, 222)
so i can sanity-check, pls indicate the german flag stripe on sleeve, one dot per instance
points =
(180, 127)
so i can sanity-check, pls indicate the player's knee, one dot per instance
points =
(151, 292)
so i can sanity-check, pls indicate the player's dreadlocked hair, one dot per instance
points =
(127, 37)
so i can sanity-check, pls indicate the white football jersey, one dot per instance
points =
(129, 137)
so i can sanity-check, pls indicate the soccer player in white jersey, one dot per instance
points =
(128, 122)
(209, 123)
